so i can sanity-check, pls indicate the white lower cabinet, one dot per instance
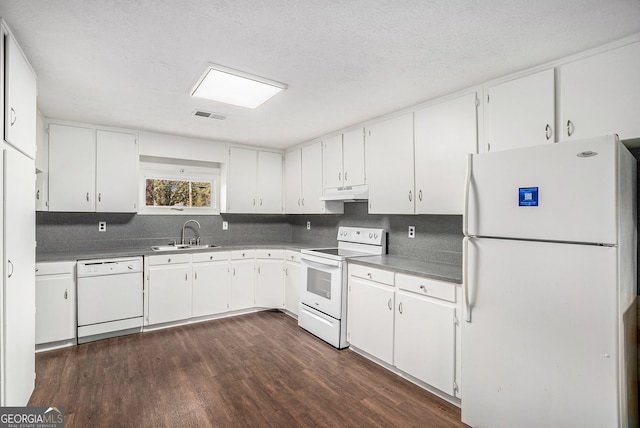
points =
(169, 288)
(424, 340)
(55, 302)
(292, 281)
(242, 268)
(210, 284)
(270, 278)
(408, 322)
(370, 318)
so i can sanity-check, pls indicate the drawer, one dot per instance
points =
(242, 254)
(373, 274)
(210, 257)
(427, 287)
(292, 256)
(55, 268)
(269, 254)
(169, 259)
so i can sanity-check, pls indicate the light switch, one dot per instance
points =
(412, 231)
(225, 225)
(102, 226)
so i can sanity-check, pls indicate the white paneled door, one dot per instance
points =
(18, 305)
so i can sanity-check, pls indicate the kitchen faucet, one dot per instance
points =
(185, 225)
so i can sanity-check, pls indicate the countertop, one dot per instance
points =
(425, 268)
(58, 256)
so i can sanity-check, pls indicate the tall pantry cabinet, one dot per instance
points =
(17, 308)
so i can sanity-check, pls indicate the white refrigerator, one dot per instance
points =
(549, 336)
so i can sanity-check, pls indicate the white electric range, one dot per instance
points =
(323, 296)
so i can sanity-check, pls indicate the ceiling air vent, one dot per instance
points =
(210, 115)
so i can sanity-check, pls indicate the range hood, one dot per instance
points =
(346, 194)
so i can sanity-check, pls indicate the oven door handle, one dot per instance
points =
(320, 262)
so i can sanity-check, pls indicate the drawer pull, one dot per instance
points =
(390, 306)
(369, 275)
(66, 295)
(423, 288)
(400, 307)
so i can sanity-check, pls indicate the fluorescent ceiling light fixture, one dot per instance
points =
(235, 87)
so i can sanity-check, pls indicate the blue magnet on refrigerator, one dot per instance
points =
(528, 196)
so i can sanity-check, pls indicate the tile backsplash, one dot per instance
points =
(438, 238)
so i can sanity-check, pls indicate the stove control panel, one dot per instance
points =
(362, 235)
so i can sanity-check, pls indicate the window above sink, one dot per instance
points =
(175, 186)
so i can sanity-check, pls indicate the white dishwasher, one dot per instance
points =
(110, 298)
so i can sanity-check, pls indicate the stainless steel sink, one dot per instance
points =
(180, 247)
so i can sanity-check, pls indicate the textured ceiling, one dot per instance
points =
(133, 63)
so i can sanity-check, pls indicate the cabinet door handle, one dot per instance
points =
(10, 263)
(234, 271)
(260, 201)
(339, 176)
(254, 202)
(345, 176)
(185, 276)
(87, 196)
(303, 202)
(420, 195)
(14, 117)
(390, 307)
(286, 271)
(547, 132)
(38, 194)
(400, 307)
(195, 276)
(298, 201)
(410, 196)
(99, 197)
(570, 128)
(66, 295)
(258, 269)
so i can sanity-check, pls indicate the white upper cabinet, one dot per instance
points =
(599, 95)
(389, 166)
(303, 183)
(353, 157)
(243, 174)
(254, 181)
(520, 112)
(444, 134)
(293, 182)
(20, 100)
(72, 180)
(343, 160)
(332, 162)
(116, 172)
(269, 192)
(312, 178)
(92, 171)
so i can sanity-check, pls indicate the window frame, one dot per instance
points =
(179, 173)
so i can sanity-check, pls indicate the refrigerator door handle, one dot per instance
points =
(465, 278)
(467, 189)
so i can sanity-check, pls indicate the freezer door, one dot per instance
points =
(559, 192)
(540, 349)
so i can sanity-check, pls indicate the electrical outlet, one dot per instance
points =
(225, 225)
(412, 231)
(102, 226)
(308, 225)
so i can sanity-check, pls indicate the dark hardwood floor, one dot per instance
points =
(252, 370)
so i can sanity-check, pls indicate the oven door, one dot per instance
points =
(322, 284)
